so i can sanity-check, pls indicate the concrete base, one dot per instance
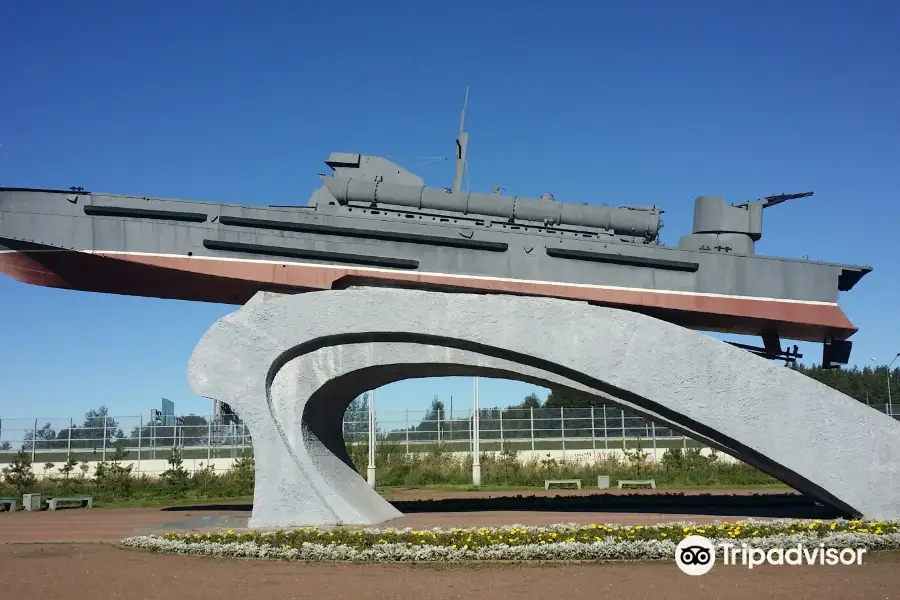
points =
(290, 366)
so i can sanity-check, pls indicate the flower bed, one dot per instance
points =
(517, 543)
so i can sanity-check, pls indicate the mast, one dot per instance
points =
(462, 143)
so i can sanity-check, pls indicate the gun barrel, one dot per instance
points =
(642, 222)
(789, 196)
(779, 198)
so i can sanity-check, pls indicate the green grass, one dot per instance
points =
(678, 468)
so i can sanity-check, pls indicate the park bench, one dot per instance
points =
(575, 482)
(9, 503)
(85, 501)
(650, 482)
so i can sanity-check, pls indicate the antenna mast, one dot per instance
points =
(462, 143)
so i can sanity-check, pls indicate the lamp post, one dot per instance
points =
(891, 406)
(371, 470)
(476, 454)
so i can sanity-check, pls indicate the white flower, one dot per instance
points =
(607, 548)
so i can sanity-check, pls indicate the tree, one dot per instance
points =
(530, 401)
(19, 474)
(42, 439)
(191, 430)
(437, 414)
(67, 468)
(866, 385)
(175, 477)
(560, 398)
(431, 422)
(97, 431)
(436, 410)
(112, 476)
(66, 472)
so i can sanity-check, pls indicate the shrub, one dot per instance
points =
(113, 482)
(438, 466)
(18, 475)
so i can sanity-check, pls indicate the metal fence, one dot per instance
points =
(54, 440)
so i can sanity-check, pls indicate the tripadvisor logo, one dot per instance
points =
(696, 555)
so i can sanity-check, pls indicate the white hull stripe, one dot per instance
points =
(438, 275)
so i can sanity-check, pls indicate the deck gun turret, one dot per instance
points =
(720, 227)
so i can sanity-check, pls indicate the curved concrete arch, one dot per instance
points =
(392, 362)
(290, 366)
(312, 413)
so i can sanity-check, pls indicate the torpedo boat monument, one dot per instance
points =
(380, 278)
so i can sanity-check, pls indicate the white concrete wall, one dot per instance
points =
(144, 467)
(588, 456)
(155, 467)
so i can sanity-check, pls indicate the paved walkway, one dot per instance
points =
(99, 571)
(113, 524)
(422, 508)
(52, 569)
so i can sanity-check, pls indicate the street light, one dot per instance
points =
(370, 470)
(476, 451)
(890, 408)
(890, 405)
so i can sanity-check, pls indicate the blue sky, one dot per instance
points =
(639, 102)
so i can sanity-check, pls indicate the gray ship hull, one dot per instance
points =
(225, 253)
